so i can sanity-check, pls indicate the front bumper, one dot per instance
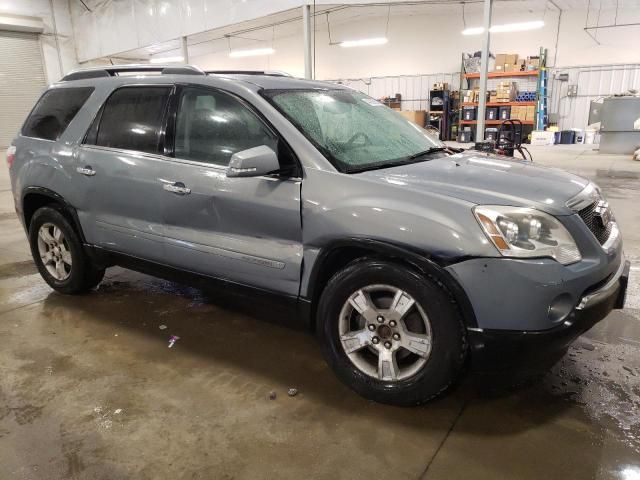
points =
(531, 351)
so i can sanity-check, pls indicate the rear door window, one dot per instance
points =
(54, 111)
(132, 119)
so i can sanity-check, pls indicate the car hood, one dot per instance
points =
(487, 179)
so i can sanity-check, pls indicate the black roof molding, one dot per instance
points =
(273, 73)
(115, 70)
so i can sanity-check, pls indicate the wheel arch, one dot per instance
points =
(34, 198)
(339, 253)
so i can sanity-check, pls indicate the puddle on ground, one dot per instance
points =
(605, 379)
(17, 269)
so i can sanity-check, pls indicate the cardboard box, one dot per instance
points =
(506, 92)
(505, 62)
(441, 86)
(523, 113)
(530, 113)
(517, 113)
(418, 117)
(539, 137)
(472, 96)
(533, 63)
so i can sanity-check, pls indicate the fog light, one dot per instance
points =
(560, 307)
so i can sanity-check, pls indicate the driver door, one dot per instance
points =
(246, 230)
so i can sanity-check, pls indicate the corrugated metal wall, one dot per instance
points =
(413, 88)
(21, 80)
(593, 82)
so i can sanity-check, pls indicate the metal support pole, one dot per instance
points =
(484, 69)
(185, 50)
(306, 28)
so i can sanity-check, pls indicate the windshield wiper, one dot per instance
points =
(428, 151)
(397, 162)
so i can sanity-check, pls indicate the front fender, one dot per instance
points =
(337, 206)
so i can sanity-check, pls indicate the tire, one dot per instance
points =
(414, 376)
(76, 275)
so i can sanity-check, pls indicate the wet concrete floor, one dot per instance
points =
(90, 390)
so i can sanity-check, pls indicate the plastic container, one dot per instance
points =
(468, 113)
(466, 136)
(504, 113)
(567, 137)
(491, 133)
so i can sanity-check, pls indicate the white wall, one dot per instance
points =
(433, 44)
(417, 44)
(425, 43)
(115, 26)
(65, 38)
(617, 45)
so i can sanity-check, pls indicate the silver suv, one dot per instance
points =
(407, 258)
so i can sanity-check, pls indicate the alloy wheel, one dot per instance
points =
(54, 251)
(385, 332)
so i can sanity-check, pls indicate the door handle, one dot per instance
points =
(88, 171)
(178, 188)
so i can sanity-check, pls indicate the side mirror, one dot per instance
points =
(253, 162)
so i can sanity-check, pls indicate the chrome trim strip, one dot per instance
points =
(131, 232)
(226, 253)
(586, 197)
(605, 291)
(613, 240)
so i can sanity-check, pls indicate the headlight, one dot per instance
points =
(526, 232)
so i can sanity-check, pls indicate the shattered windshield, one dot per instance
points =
(355, 132)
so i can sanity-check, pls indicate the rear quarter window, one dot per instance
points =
(54, 111)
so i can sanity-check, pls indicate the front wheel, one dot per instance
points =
(392, 334)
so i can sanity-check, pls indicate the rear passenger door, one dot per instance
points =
(247, 230)
(119, 172)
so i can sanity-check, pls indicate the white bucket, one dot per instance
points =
(589, 136)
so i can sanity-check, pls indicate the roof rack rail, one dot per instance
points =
(115, 70)
(273, 73)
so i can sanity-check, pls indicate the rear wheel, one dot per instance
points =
(390, 333)
(58, 254)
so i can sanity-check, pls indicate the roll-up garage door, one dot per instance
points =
(21, 80)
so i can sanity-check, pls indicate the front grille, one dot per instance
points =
(588, 215)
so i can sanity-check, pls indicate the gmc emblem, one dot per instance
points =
(603, 213)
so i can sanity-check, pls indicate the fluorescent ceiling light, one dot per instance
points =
(365, 42)
(517, 27)
(166, 59)
(251, 53)
(507, 27)
(473, 31)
